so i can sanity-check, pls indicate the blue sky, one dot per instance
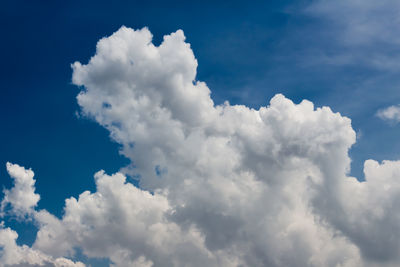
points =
(342, 55)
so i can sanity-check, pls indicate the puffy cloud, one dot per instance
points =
(220, 185)
(22, 197)
(391, 113)
(121, 222)
(12, 255)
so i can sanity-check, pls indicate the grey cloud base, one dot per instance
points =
(221, 185)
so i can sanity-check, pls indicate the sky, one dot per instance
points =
(194, 111)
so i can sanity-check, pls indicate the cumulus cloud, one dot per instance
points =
(391, 113)
(13, 255)
(220, 185)
(22, 197)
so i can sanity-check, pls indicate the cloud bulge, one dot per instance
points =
(220, 185)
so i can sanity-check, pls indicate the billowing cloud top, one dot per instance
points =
(220, 185)
(22, 197)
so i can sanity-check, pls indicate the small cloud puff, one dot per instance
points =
(391, 113)
(22, 197)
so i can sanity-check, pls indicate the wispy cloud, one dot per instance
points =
(391, 113)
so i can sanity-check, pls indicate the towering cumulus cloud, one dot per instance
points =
(220, 185)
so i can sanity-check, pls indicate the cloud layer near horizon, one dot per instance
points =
(220, 185)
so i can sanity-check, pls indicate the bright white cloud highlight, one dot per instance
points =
(391, 113)
(220, 185)
(13, 255)
(22, 197)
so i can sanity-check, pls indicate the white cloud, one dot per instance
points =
(21, 197)
(220, 185)
(119, 221)
(391, 113)
(12, 255)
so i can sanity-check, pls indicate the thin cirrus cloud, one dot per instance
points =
(220, 185)
(357, 28)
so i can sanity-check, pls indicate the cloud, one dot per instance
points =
(12, 255)
(220, 185)
(22, 197)
(361, 21)
(363, 32)
(391, 113)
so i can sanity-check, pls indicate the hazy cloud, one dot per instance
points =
(391, 113)
(364, 32)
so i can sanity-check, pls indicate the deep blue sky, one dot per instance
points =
(247, 52)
